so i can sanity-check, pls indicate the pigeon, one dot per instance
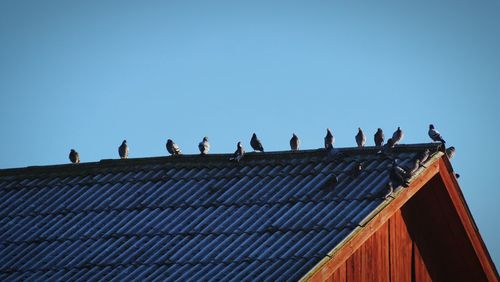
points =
(450, 152)
(434, 134)
(123, 150)
(256, 144)
(74, 157)
(238, 154)
(379, 138)
(173, 148)
(329, 139)
(204, 146)
(423, 156)
(397, 135)
(412, 166)
(398, 176)
(360, 138)
(294, 143)
(386, 149)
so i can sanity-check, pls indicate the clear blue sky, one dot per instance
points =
(88, 74)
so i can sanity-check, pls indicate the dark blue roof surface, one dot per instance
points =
(273, 217)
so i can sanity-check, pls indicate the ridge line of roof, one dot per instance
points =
(189, 158)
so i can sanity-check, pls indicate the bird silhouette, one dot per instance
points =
(74, 157)
(379, 137)
(360, 138)
(123, 150)
(173, 148)
(450, 152)
(435, 135)
(397, 136)
(238, 154)
(329, 139)
(203, 146)
(423, 156)
(294, 143)
(256, 144)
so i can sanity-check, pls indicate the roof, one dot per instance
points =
(273, 216)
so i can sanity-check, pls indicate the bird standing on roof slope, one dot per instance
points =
(173, 148)
(204, 146)
(294, 143)
(238, 154)
(256, 144)
(360, 138)
(379, 137)
(74, 157)
(329, 139)
(435, 135)
(398, 176)
(450, 152)
(123, 150)
(423, 156)
(397, 136)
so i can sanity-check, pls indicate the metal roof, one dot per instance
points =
(273, 216)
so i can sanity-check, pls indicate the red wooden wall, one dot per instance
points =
(423, 241)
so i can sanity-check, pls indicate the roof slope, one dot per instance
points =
(274, 216)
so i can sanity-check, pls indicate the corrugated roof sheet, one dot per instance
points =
(271, 217)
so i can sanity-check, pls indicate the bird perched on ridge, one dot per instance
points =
(450, 152)
(74, 157)
(435, 135)
(360, 138)
(386, 149)
(173, 148)
(238, 154)
(379, 137)
(256, 144)
(123, 150)
(329, 139)
(397, 135)
(294, 143)
(204, 146)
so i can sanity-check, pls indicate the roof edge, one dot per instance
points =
(458, 200)
(372, 222)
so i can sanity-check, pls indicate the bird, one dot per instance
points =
(398, 176)
(256, 144)
(360, 138)
(329, 139)
(238, 154)
(423, 156)
(435, 135)
(123, 150)
(379, 137)
(450, 152)
(74, 157)
(386, 149)
(412, 166)
(397, 135)
(294, 143)
(173, 148)
(204, 146)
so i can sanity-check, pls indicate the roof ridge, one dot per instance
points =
(189, 158)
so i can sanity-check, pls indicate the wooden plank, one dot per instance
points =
(421, 273)
(344, 251)
(400, 245)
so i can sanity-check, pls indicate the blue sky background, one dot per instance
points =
(88, 74)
